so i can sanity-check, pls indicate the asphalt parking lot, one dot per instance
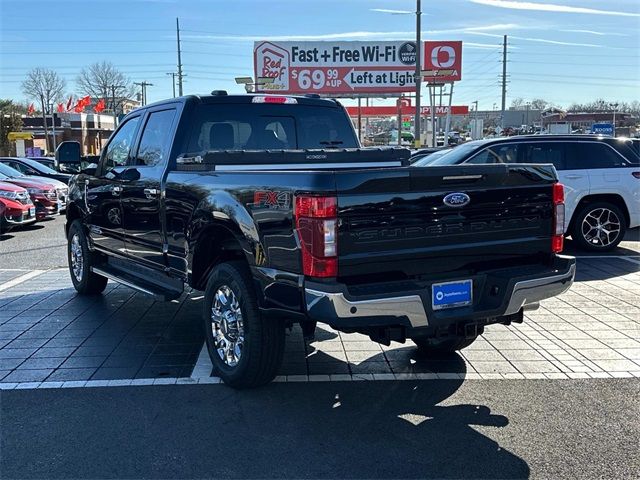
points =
(552, 397)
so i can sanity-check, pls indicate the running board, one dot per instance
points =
(131, 281)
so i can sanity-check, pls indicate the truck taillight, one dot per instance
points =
(317, 226)
(557, 239)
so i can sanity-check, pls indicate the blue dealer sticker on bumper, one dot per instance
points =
(451, 294)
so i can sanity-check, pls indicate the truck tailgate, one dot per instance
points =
(395, 223)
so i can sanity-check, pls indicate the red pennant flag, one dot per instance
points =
(79, 108)
(31, 110)
(100, 106)
(60, 107)
(69, 103)
(86, 101)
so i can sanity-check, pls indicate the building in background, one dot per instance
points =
(89, 129)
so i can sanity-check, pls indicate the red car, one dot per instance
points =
(16, 207)
(43, 195)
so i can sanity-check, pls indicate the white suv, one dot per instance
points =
(601, 176)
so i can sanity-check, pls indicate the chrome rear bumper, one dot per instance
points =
(335, 307)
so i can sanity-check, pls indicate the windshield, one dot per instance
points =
(459, 154)
(3, 177)
(39, 166)
(10, 172)
(429, 158)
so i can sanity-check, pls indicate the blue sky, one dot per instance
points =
(562, 50)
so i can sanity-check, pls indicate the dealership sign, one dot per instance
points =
(349, 67)
(384, 111)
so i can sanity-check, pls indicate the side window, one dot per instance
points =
(598, 155)
(543, 152)
(156, 138)
(18, 166)
(120, 145)
(496, 154)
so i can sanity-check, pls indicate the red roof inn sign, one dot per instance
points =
(352, 67)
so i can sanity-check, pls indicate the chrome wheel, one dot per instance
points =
(77, 259)
(601, 227)
(227, 326)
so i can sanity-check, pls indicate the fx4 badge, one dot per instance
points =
(272, 199)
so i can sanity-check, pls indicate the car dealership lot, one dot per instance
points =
(49, 335)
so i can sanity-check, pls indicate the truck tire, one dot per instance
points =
(246, 348)
(80, 261)
(434, 347)
(599, 227)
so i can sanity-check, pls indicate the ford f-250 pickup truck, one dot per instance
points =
(269, 205)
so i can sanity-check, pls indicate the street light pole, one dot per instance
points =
(615, 107)
(416, 122)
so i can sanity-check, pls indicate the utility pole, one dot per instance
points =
(113, 102)
(143, 87)
(504, 80)
(179, 58)
(418, 78)
(173, 80)
(53, 127)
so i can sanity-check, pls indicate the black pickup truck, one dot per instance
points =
(269, 205)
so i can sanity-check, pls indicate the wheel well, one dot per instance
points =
(73, 213)
(612, 198)
(215, 245)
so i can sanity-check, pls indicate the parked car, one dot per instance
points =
(422, 159)
(16, 207)
(43, 195)
(601, 176)
(61, 189)
(46, 161)
(268, 204)
(32, 168)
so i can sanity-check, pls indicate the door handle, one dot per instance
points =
(116, 190)
(150, 192)
(574, 177)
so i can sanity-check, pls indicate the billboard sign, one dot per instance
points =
(443, 56)
(346, 68)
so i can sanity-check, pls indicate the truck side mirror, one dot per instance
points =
(68, 152)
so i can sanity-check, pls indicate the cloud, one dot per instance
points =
(538, 40)
(393, 12)
(556, 42)
(593, 32)
(363, 34)
(549, 7)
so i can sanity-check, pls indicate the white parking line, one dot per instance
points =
(20, 279)
(623, 257)
(141, 382)
(203, 366)
(632, 260)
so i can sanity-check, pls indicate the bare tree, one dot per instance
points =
(104, 80)
(539, 104)
(517, 103)
(45, 86)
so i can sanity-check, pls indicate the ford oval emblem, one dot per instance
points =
(457, 199)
